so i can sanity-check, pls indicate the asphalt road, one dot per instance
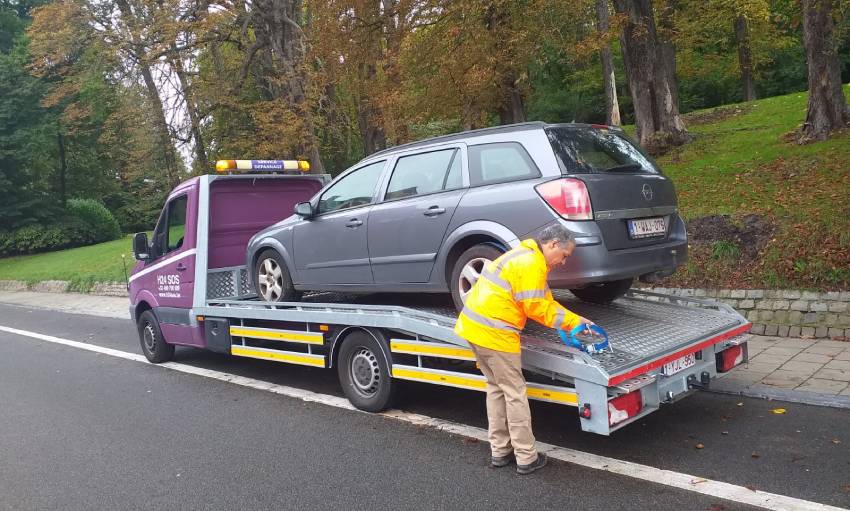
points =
(80, 430)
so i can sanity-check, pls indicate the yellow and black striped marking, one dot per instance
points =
(537, 391)
(273, 334)
(289, 357)
(430, 349)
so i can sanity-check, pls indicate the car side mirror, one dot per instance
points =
(304, 209)
(141, 248)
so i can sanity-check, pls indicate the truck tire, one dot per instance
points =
(468, 267)
(154, 347)
(604, 292)
(364, 373)
(272, 280)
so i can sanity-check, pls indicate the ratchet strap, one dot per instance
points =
(570, 340)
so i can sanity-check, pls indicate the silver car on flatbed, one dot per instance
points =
(426, 217)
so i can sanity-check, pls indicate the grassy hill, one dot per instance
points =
(787, 206)
(762, 211)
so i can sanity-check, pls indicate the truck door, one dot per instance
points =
(172, 272)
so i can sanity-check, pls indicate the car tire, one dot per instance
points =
(604, 292)
(364, 374)
(473, 261)
(272, 281)
(154, 347)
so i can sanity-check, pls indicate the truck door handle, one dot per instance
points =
(434, 211)
(180, 267)
(354, 223)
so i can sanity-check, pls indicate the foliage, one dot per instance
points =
(97, 217)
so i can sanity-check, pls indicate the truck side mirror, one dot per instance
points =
(141, 248)
(304, 209)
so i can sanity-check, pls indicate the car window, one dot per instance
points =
(583, 150)
(176, 223)
(355, 189)
(420, 174)
(495, 163)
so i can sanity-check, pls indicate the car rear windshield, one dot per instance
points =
(586, 149)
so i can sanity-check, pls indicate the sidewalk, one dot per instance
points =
(788, 369)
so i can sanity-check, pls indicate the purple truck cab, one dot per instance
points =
(198, 248)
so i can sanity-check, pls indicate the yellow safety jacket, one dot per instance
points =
(511, 289)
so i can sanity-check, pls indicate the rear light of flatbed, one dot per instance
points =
(624, 407)
(729, 358)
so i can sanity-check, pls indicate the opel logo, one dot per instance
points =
(647, 192)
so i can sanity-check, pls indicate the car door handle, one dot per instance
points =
(434, 211)
(354, 223)
(180, 267)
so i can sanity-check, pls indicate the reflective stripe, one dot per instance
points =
(490, 322)
(509, 256)
(497, 280)
(532, 293)
(495, 275)
(559, 320)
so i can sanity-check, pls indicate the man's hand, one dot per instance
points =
(584, 321)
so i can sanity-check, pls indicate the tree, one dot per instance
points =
(609, 83)
(827, 107)
(651, 74)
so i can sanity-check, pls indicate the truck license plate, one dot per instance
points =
(647, 227)
(680, 364)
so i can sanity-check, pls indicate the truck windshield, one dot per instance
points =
(582, 150)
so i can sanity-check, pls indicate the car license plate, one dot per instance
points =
(647, 227)
(680, 364)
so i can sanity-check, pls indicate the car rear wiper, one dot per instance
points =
(625, 167)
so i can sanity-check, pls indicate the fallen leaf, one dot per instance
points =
(471, 440)
(699, 446)
(740, 404)
(755, 455)
(847, 488)
(750, 487)
(698, 480)
(778, 411)
(836, 441)
(724, 432)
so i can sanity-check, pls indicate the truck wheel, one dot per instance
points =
(468, 268)
(364, 373)
(154, 347)
(604, 292)
(272, 280)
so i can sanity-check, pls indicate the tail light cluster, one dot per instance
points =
(624, 407)
(729, 358)
(568, 197)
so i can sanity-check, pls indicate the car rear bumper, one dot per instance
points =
(592, 262)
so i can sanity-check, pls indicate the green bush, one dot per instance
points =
(87, 222)
(95, 215)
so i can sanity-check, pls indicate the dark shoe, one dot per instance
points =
(540, 462)
(501, 461)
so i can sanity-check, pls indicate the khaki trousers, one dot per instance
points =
(508, 414)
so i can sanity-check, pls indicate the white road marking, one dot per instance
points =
(679, 480)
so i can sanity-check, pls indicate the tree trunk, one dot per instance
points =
(659, 125)
(612, 107)
(201, 161)
(667, 50)
(745, 61)
(827, 109)
(168, 152)
(63, 167)
(512, 109)
(284, 77)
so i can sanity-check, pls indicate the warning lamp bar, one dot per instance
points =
(261, 165)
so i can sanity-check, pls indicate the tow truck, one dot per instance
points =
(191, 287)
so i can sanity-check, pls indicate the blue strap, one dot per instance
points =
(571, 341)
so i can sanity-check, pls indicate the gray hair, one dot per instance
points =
(555, 232)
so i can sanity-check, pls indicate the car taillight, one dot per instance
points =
(729, 358)
(568, 197)
(624, 407)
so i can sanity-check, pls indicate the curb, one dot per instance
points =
(62, 286)
(792, 396)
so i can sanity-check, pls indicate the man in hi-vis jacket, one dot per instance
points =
(510, 290)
